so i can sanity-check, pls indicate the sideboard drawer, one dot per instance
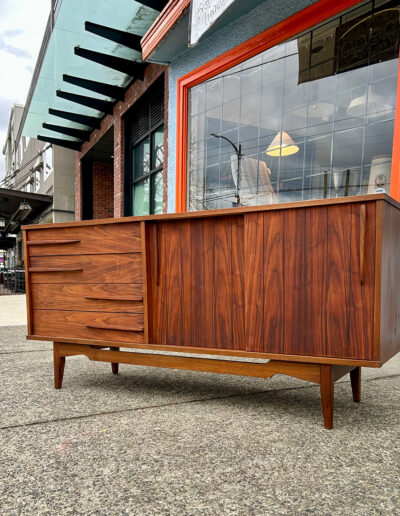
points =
(104, 326)
(105, 238)
(110, 297)
(107, 268)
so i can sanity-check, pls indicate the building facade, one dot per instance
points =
(273, 103)
(37, 167)
(105, 180)
(307, 90)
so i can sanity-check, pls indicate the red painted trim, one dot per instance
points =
(288, 28)
(162, 25)
(395, 173)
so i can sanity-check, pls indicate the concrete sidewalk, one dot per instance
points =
(13, 310)
(164, 442)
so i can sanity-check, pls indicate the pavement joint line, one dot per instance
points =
(201, 400)
(23, 351)
(381, 377)
(123, 411)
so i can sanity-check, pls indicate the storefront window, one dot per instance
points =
(147, 159)
(144, 144)
(307, 119)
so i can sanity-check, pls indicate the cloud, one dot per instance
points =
(10, 49)
(11, 33)
(5, 6)
(22, 25)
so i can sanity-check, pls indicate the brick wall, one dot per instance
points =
(119, 167)
(78, 187)
(132, 95)
(103, 190)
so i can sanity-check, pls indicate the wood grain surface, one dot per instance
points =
(294, 280)
(59, 323)
(102, 268)
(390, 281)
(218, 213)
(105, 238)
(284, 282)
(97, 297)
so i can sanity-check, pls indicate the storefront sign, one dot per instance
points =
(367, 40)
(203, 14)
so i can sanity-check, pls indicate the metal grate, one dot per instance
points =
(12, 282)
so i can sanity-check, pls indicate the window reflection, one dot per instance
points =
(332, 91)
(147, 187)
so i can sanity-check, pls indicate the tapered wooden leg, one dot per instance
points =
(355, 378)
(59, 364)
(327, 390)
(114, 365)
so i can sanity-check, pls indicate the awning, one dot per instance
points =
(86, 62)
(18, 207)
(162, 46)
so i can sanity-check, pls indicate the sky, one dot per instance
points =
(22, 24)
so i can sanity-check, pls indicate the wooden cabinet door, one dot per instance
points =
(197, 299)
(309, 280)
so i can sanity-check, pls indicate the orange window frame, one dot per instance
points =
(286, 29)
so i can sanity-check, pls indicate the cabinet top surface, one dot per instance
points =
(223, 212)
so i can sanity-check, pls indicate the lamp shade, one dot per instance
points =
(282, 145)
(373, 104)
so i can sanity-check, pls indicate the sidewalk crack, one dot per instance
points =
(146, 407)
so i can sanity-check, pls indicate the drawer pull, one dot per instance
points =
(51, 242)
(156, 255)
(363, 241)
(119, 328)
(115, 298)
(54, 269)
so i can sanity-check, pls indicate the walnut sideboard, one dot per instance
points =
(311, 287)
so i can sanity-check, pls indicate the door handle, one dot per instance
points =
(363, 241)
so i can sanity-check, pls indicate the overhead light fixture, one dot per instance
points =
(318, 109)
(282, 145)
(22, 212)
(370, 103)
(311, 105)
(2, 223)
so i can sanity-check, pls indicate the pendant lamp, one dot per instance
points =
(320, 110)
(282, 145)
(372, 104)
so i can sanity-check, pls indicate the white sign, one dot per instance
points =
(203, 14)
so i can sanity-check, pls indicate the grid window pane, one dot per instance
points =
(313, 116)
(157, 193)
(147, 187)
(141, 198)
(141, 159)
(157, 148)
